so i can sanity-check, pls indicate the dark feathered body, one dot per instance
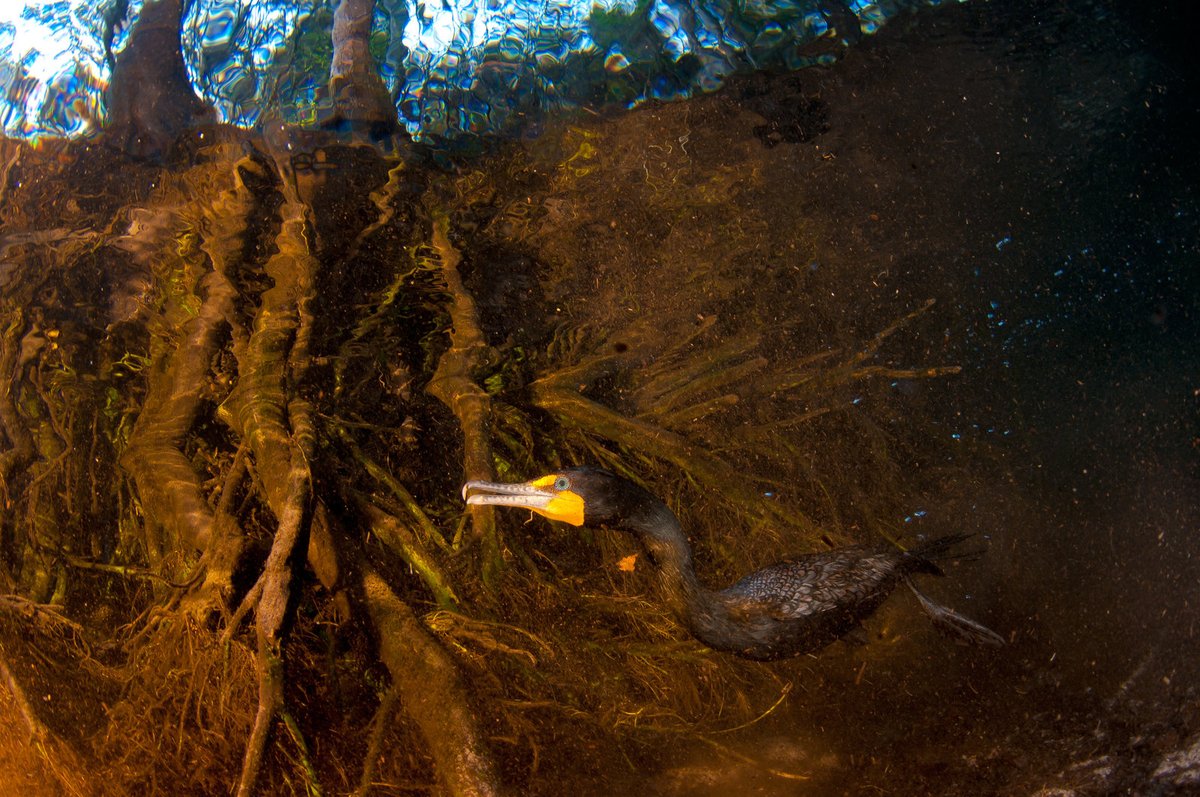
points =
(803, 604)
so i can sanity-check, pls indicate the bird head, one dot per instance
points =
(577, 496)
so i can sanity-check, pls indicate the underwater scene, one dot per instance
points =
(595, 397)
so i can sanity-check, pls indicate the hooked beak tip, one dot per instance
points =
(473, 486)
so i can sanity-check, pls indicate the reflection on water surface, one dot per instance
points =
(727, 298)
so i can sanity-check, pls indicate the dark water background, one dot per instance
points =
(1033, 167)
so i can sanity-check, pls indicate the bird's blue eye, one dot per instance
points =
(562, 483)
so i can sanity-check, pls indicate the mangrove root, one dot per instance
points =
(452, 383)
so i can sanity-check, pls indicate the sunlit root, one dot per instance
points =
(272, 610)
(36, 728)
(379, 727)
(19, 449)
(847, 367)
(224, 549)
(428, 533)
(675, 380)
(453, 384)
(280, 436)
(258, 407)
(425, 681)
(486, 635)
(400, 539)
(167, 481)
(681, 392)
(431, 691)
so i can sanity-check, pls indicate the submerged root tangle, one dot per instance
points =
(238, 397)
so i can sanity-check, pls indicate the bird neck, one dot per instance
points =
(667, 545)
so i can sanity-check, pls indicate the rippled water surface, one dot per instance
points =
(455, 69)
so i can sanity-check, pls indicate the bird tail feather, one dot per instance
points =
(953, 624)
(923, 558)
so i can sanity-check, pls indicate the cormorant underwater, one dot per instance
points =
(796, 606)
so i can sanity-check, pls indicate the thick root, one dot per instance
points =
(453, 385)
(432, 692)
(425, 679)
(280, 435)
